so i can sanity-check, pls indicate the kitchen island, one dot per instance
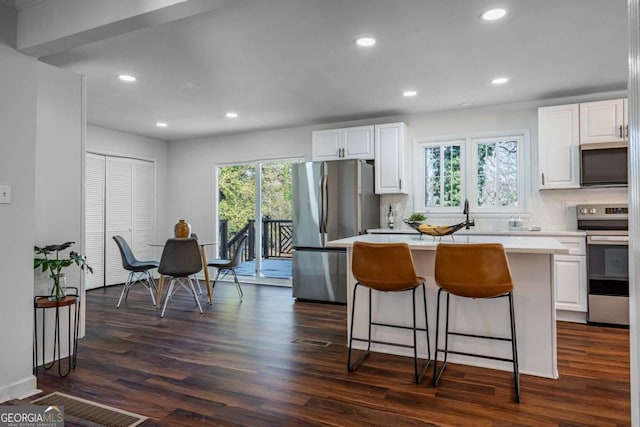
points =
(531, 263)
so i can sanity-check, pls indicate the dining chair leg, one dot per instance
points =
(150, 285)
(168, 297)
(238, 287)
(213, 285)
(124, 289)
(193, 291)
(159, 290)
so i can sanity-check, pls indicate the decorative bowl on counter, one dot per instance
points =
(437, 230)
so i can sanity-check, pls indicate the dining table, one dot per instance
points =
(203, 253)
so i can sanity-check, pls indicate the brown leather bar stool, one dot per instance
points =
(387, 268)
(474, 271)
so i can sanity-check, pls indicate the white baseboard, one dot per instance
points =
(19, 389)
(571, 316)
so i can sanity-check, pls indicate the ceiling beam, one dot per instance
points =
(54, 26)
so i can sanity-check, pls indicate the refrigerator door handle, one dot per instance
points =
(322, 196)
(325, 203)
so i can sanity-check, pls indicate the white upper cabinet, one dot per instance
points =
(390, 176)
(358, 143)
(327, 144)
(341, 144)
(603, 121)
(558, 147)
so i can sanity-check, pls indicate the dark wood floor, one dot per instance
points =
(237, 365)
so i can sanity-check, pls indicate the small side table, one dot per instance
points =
(43, 303)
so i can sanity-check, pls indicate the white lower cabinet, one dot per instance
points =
(570, 280)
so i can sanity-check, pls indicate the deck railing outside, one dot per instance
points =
(276, 241)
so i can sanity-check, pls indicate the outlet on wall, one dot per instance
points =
(5, 193)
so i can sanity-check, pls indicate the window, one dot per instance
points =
(442, 174)
(488, 170)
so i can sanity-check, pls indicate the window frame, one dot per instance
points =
(468, 172)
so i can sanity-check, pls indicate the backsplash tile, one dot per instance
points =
(552, 210)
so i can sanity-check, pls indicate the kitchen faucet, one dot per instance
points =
(469, 223)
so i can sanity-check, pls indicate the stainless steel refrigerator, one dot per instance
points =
(331, 200)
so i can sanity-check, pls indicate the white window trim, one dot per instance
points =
(468, 174)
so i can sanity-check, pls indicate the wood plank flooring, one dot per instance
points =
(236, 365)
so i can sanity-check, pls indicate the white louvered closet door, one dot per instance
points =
(143, 208)
(95, 169)
(119, 220)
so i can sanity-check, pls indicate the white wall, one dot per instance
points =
(101, 140)
(58, 193)
(191, 174)
(18, 79)
(190, 189)
(41, 158)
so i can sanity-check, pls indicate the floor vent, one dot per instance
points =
(96, 413)
(308, 341)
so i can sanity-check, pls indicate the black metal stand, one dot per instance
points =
(42, 303)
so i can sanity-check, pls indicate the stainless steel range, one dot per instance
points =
(607, 228)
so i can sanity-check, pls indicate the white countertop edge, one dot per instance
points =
(512, 244)
(475, 232)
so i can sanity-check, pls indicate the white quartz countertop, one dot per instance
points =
(476, 232)
(512, 244)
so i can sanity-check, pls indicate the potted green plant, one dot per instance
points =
(57, 279)
(417, 217)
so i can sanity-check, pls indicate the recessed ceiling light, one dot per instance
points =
(366, 41)
(493, 14)
(499, 81)
(231, 115)
(409, 93)
(162, 124)
(126, 78)
(466, 104)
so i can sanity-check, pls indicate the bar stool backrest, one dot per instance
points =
(384, 266)
(473, 270)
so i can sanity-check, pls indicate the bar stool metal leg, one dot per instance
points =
(438, 373)
(419, 374)
(514, 349)
(350, 367)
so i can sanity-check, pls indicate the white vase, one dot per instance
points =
(57, 286)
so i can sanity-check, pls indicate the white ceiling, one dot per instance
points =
(284, 63)
(20, 4)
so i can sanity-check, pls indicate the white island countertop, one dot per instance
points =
(512, 244)
(476, 232)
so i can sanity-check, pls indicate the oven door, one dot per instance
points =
(608, 279)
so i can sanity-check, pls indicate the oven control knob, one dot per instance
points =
(592, 211)
(583, 211)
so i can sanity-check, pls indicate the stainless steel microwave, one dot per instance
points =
(605, 166)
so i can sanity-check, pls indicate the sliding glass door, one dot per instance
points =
(255, 199)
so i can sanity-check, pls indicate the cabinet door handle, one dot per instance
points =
(627, 131)
(621, 134)
(400, 183)
(543, 178)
